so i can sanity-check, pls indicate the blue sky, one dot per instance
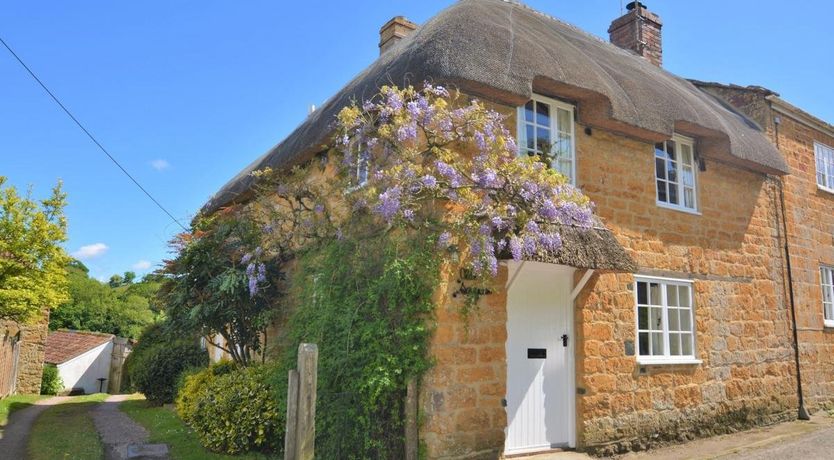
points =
(185, 94)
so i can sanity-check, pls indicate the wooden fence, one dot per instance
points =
(9, 354)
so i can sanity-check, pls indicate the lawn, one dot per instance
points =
(66, 431)
(165, 427)
(15, 402)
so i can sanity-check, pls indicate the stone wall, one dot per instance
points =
(460, 397)
(732, 252)
(742, 326)
(30, 359)
(810, 217)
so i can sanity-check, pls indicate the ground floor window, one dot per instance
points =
(827, 281)
(665, 320)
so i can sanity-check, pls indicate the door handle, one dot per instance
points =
(564, 340)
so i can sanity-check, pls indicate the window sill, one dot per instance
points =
(672, 207)
(826, 190)
(666, 361)
(828, 323)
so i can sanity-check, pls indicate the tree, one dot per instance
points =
(116, 281)
(94, 306)
(221, 284)
(33, 273)
(129, 277)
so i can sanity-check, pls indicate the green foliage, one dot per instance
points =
(51, 382)
(94, 306)
(32, 263)
(209, 288)
(232, 410)
(192, 385)
(368, 305)
(159, 359)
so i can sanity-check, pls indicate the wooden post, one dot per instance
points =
(308, 356)
(290, 436)
(412, 441)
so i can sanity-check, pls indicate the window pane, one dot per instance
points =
(660, 168)
(671, 150)
(672, 171)
(530, 137)
(654, 294)
(542, 114)
(688, 176)
(643, 344)
(689, 198)
(673, 194)
(656, 319)
(661, 191)
(528, 111)
(543, 141)
(686, 154)
(674, 323)
(686, 345)
(683, 296)
(642, 293)
(657, 344)
(672, 295)
(642, 318)
(675, 344)
(660, 150)
(564, 120)
(686, 320)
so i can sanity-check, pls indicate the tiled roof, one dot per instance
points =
(63, 345)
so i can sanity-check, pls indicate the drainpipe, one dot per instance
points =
(802, 413)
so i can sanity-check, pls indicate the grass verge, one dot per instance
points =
(165, 427)
(66, 431)
(15, 402)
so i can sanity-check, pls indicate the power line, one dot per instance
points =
(98, 144)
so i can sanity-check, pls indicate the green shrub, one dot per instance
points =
(51, 382)
(232, 412)
(193, 383)
(157, 362)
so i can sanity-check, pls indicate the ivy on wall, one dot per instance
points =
(368, 305)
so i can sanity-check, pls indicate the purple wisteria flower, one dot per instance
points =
(389, 203)
(444, 240)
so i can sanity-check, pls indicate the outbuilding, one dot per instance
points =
(82, 358)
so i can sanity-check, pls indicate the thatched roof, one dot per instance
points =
(505, 52)
(595, 248)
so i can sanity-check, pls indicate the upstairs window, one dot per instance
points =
(675, 174)
(827, 282)
(665, 323)
(825, 166)
(546, 129)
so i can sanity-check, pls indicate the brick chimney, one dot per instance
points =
(639, 30)
(393, 31)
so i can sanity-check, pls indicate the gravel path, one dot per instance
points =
(817, 444)
(15, 434)
(118, 431)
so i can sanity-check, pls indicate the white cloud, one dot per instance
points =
(89, 251)
(142, 265)
(160, 165)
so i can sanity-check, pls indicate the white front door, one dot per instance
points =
(540, 400)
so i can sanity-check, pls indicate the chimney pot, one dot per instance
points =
(639, 31)
(393, 31)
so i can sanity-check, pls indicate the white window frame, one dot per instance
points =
(666, 358)
(827, 285)
(679, 140)
(824, 156)
(554, 128)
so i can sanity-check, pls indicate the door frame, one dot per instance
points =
(514, 269)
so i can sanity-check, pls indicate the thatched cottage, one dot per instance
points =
(673, 320)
